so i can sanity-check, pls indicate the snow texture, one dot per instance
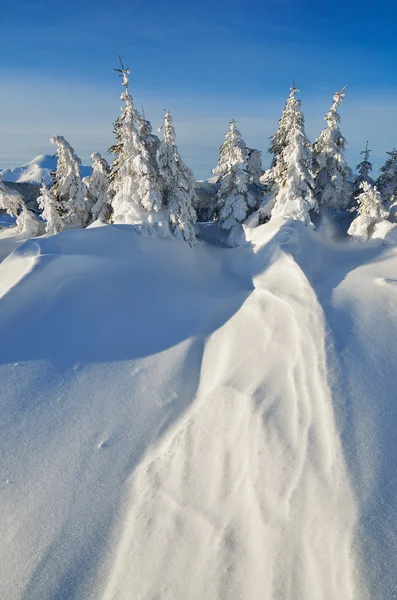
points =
(227, 432)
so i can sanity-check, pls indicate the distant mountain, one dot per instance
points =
(37, 170)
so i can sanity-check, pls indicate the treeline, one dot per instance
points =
(148, 184)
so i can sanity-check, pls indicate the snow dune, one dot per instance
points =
(205, 423)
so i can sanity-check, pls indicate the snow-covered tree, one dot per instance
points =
(97, 189)
(135, 185)
(293, 181)
(370, 212)
(333, 177)
(178, 187)
(363, 174)
(50, 207)
(387, 180)
(28, 224)
(278, 142)
(234, 199)
(254, 166)
(10, 200)
(69, 189)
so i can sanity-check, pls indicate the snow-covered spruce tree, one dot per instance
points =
(387, 180)
(50, 207)
(332, 176)
(254, 166)
(179, 182)
(28, 224)
(363, 174)
(97, 189)
(234, 199)
(294, 183)
(135, 185)
(370, 212)
(10, 200)
(278, 142)
(69, 189)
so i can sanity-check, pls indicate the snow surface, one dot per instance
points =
(37, 170)
(200, 423)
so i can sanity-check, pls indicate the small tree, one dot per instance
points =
(179, 185)
(387, 180)
(10, 200)
(135, 185)
(50, 207)
(363, 174)
(234, 200)
(69, 189)
(370, 212)
(97, 188)
(254, 166)
(28, 224)
(333, 177)
(294, 183)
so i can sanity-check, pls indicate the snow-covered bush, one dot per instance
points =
(254, 166)
(234, 199)
(332, 176)
(50, 210)
(69, 189)
(10, 200)
(370, 212)
(179, 183)
(135, 185)
(97, 189)
(28, 224)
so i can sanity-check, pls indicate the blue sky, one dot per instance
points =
(207, 62)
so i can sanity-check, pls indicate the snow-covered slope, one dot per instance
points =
(198, 423)
(37, 170)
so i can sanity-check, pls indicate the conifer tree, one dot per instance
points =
(10, 200)
(50, 207)
(254, 166)
(293, 181)
(28, 224)
(333, 177)
(234, 199)
(387, 180)
(97, 188)
(179, 183)
(370, 212)
(363, 174)
(69, 189)
(137, 197)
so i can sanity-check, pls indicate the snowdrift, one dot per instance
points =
(198, 423)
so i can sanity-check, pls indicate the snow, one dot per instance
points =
(36, 170)
(198, 422)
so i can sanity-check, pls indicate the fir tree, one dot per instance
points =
(293, 181)
(254, 166)
(69, 189)
(363, 174)
(370, 212)
(387, 180)
(10, 200)
(137, 197)
(234, 200)
(333, 177)
(28, 224)
(50, 207)
(179, 185)
(97, 187)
